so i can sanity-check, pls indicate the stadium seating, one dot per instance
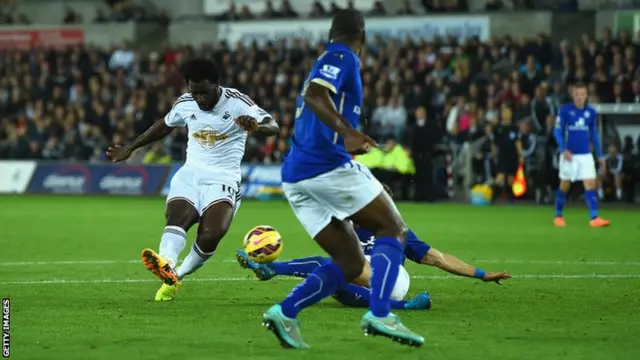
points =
(70, 103)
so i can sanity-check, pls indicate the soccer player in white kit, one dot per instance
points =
(575, 132)
(206, 189)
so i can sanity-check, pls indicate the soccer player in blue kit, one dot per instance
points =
(357, 294)
(574, 132)
(326, 189)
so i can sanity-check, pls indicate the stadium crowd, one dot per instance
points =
(71, 103)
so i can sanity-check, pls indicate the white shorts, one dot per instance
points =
(401, 287)
(581, 167)
(339, 193)
(187, 185)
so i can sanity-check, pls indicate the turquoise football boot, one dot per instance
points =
(287, 330)
(262, 271)
(390, 327)
(420, 302)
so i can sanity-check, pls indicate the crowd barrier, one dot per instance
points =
(32, 177)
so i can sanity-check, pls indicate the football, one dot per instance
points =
(263, 244)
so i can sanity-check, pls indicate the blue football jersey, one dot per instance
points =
(415, 250)
(576, 129)
(316, 149)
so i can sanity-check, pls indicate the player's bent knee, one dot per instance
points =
(401, 287)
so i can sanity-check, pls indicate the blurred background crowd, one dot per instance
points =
(426, 95)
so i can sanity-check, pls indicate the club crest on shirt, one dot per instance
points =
(226, 116)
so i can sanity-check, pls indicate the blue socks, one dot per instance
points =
(299, 267)
(322, 282)
(358, 296)
(561, 199)
(591, 198)
(386, 257)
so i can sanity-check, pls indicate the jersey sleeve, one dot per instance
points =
(416, 249)
(332, 70)
(593, 131)
(177, 117)
(558, 131)
(253, 111)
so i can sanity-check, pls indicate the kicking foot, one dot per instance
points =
(159, 266)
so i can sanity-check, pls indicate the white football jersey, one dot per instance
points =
(216, 143)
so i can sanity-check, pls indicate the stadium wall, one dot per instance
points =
(32, 177)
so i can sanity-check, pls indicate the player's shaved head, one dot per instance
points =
(348, 25)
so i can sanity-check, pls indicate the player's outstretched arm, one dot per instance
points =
(318, 98)
(453, 265)
(157, 131)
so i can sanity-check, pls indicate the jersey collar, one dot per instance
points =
(335, 46)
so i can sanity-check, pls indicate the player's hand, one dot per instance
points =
(118, 153)
(358, 143)
(247, 123)
(603, 165)
(496, 277)
(567, 155)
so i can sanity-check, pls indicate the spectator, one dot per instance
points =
(157, 155)
(405, 9)
(270, 11)
(378, 9)
(122, 58)
(71, 17)
(389, 118)
(542, 106)
(287, 11)
(74, 101)
(317, 10)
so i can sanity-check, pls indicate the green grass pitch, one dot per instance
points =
(78, 291)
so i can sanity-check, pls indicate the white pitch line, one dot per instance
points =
(560, 262)
(120, 262)
(234, 279)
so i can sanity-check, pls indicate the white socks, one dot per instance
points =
(193, 261)
(172, 243)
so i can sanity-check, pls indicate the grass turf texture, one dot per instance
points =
(575, 296)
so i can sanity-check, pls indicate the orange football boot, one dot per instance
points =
(599, 222)
(559, 221)
(159, 266)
